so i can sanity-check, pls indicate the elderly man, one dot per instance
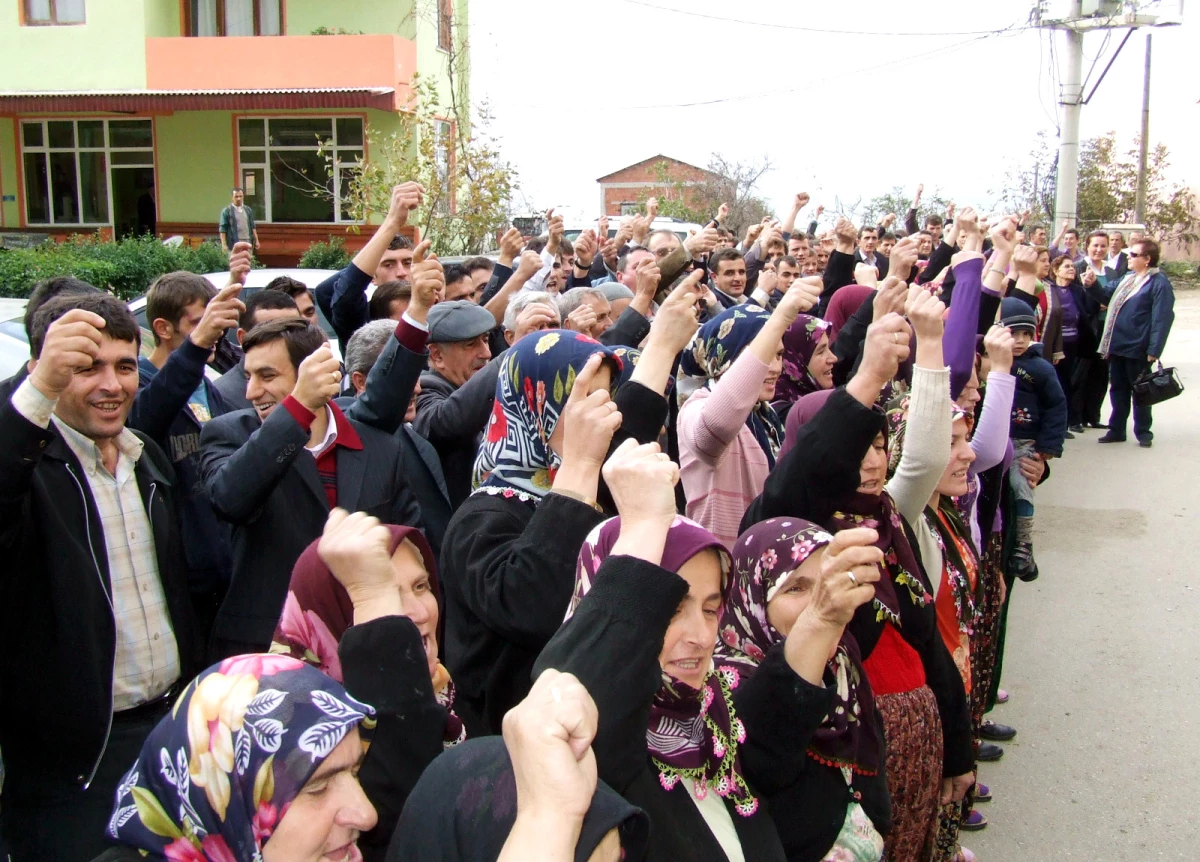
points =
(530, 311)
(586, 310)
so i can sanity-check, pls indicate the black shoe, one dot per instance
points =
(1022, 563)
(1145, 442)
(988, 752)
(997, 732)
(1067, 435)
(1076, 428)
(1096, 425)
(1109, 438)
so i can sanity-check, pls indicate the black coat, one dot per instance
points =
(611, 645)
(262, 481)
(881, 262)
(453, 419)
(810, 481)
(57, 629)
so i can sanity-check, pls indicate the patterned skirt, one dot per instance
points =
(914, 771)
(985, 640)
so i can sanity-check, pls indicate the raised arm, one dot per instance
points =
(989, 442)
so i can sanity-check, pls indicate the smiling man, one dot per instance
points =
(275, 471)
(95, 619)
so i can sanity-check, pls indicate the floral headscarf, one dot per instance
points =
(800, 342)
(764, 557)
(218, 773)
(715, 347)
(318, 611)
(515, 459)
(693, 733)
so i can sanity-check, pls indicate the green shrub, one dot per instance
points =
(326, 255)
(126, 268)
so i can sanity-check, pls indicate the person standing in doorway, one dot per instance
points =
(237, 223)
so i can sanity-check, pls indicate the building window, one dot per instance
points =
(284, 176)
(68, 165)
(445, 23)
(443, 155)
(233, 18)
(54, 12)
(630, 208)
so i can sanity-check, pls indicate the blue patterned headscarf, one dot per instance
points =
(217, 774)
(515, 458)
(715, 347)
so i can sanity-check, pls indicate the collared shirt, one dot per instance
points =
(147, 656)
(331, 432)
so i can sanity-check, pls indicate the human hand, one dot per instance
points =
(675, 324)
(585, 249)
(72, 344)
(903, 258)
(752, 233)
(799, 298)
(355, 548)
(888, 220)
(602, 227)
(510, 246)
(722, 213)
(608, 253)
(963, 256)
(535, 318)
(651, 209)
(318, 379)
(950, 211)
(582, 319)
(406, 197)
(624, 233)
(849, 569)
(1004, 235)
(998, 342)
(1089, 276)
(241, 261)
(529, 266)
(955, 789)
(554, 227)
(1032, 469)
(222, 312)
(647, 277)
(768, 279)
(428, 281)
(820, 209)
(887, 345)
(1024, 260)
(926, 313)
(866, 275)
(968, 221)
(589, 420)
(801, 201)
(642, 481)
(920, 191)
(549, 736)
(703, 242)
(846, 235)
(641, 228)
(889, 298)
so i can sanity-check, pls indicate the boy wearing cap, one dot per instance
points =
(1039, 423)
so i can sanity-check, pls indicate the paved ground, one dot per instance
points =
(1103, 658)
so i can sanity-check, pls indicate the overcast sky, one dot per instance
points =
(581, 89)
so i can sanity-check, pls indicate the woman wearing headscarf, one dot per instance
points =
(508, 562)
(416, 705)
(808, 362)
(729, 435)
(840, 786)
(255, 763)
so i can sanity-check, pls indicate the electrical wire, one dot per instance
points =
(773, 25)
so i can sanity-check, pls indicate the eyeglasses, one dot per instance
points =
(1136, 254)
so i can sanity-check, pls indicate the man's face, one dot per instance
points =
(603, 310)
(1038, 237)
(775, 251)
(189, 321)
(308, 308)
(265, 314)
(798, 247)
(1098, 248)
(464, 288)
(723, 241)
(270, 376)
(662, 244)
(480, 278)
(97, 400)
(395, 266)
(629, 277)
(886, 246)
(411, 413)
(787, 273)
(238, 197)
(822, 259)
(554, 279)
(811, 264)
(1071, 242)
(924, 244)
(457, 361)
(935, 230)
(867, 240)
(731, 277)
(1116, 242)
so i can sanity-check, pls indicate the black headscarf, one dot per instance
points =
(465, 804)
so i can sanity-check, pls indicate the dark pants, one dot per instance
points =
(1123, 373)
(1093, 381)
(1065, 369)
(51, 821)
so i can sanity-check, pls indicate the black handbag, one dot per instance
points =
(1157, 385)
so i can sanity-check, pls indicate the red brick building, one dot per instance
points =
(621, 191)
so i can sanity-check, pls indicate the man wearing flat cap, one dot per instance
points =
(458, 390)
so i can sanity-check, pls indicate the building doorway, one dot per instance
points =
(135, 211)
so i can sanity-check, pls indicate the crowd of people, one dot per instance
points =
(631, 547)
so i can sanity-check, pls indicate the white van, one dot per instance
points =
(676, 226)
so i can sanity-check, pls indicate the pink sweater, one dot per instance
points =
(722, 465)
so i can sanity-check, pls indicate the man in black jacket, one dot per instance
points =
(275, 472)
(95, 623)
(259, 308)
(868, 240)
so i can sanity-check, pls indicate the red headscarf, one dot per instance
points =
(844, 303)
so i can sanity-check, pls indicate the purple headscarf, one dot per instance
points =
(764, 558)
(693, 733)
(799, 343)
(844, 303)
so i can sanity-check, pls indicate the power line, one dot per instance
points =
(780, 26)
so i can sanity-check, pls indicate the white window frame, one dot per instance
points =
(267, 148)
(46, 149)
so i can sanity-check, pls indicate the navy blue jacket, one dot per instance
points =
(342, 298)
(161, 412)
(1145, 319)
(1039, 410)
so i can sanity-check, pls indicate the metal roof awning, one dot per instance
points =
(139, 101)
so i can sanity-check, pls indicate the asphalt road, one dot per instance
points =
(1103, 655)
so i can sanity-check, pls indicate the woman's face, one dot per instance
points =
(768, 388)
(954, 479)
(692, 635)
(794, 595)
(417, 598)
(601, 380)
(872, 473)
(970, 397)
(323, 822)
(822, 362)
(1043, 264)
(1066, 272)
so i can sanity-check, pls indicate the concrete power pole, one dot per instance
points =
(1071, 100)
(1144, 150)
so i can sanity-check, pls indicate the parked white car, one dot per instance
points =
(680, 228)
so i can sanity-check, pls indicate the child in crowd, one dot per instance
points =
(1039, 422)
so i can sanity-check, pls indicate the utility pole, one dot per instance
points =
(1071, 100)
(1144, 150)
